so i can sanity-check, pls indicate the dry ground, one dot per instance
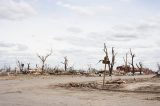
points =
(35, 91)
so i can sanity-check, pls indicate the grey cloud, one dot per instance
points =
(74, 29)
(142, 30)
(119, 40)
(112, 36)
(73, 52)
(158, 43)
(3, 52)
(15, 9)
(143, 38)
(96, 40)
(11, 58)
(6, 45)
(78, 41)
(12, 46)
(123, 28)
(147, 27)
(125, 36)
(21, 47)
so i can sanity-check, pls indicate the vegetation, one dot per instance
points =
(65, 63)
(132, 62)
(43, 59)
(107, 61)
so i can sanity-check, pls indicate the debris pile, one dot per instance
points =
(92, 85)
(117, 81)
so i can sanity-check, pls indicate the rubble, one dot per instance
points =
(92, 85)
(117, 81)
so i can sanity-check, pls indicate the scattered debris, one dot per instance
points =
(92, 85)
(117, 81)
(154, 98)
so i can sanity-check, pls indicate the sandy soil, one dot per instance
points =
(35, 91)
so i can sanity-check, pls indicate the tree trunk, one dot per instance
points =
(65, 67)
(140, 71)
(43, 67)
(104, 75)
(110, 70)
(133, 71)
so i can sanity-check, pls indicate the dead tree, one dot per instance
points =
(111, 65)
(43, 59)
(107, 61)
(20, 66)
(140, 67)
(28, 66)
(15, 70)
(132, 62)
(158, 71)
(89, 67)
(126, 62)
(37, 66)
(65, 63)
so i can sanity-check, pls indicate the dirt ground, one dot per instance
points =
(35, 91)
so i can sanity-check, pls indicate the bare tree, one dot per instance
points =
(15, 70)
(126, 62)
(37, 66)
(140, 67)
(107, 61)
(132, 62)
(7, 68)
(43, 59)
(158, 71)
(28, 66)
(20, 66)
(111, 64)
(65, 63)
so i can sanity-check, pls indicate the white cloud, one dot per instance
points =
(85, 10)
(13, 10)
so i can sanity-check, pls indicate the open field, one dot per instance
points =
(36, 91)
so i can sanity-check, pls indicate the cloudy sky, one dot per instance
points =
(78, 29)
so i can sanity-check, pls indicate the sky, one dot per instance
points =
(78, 29)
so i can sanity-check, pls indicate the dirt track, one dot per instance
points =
(34, 91)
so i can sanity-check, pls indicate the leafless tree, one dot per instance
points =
(132, 62)
(36, 65)
(7, 68)
(43, 59)
(65, 63)
(140, 67)
(158, 71)
(111, 64)
(158, 66)
(107, 61)
(89, 68)
(126, 62)
(20, 66)
(28, 66)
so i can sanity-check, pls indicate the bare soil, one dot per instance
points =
(27, 90)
